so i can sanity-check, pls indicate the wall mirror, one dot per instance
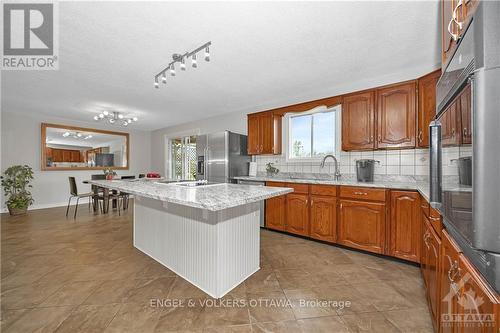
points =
(77, 148)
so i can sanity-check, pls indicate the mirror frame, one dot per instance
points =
(43, 165)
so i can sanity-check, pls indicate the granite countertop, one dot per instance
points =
(402, 183)
(212, 197)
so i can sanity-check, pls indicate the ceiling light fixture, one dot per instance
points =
(77, 135)
(181, 58)
(116, 117)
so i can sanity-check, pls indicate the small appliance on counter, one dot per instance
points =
(252, 170)
(465, 170)
(153, 175)
(365, 169)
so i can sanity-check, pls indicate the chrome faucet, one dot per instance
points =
(337, 172)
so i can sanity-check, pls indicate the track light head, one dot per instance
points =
(194, 63)
(207, 54)
(172, 69)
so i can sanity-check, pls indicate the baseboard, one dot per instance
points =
(50, 205)
(41, 206)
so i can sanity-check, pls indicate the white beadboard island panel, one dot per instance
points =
(214, 250)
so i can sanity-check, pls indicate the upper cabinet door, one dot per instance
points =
(358, 118)
(396, 118)
(266, 129)
(426, 106)
(253, 134)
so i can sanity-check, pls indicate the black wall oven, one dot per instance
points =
(465, 143)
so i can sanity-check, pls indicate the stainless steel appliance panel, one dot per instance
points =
(486, 161)
(217, 157)
(201, 152)
(239, 161)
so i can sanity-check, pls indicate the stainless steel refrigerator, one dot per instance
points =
(221, 156)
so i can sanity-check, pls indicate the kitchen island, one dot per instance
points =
(208, 234)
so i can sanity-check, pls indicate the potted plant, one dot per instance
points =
(16, 185)
(110, 174)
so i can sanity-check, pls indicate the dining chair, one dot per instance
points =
(73, 190)
(125, 195)
(99, 195)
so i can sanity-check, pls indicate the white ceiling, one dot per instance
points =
(264, 55)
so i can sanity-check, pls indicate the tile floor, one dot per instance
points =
(83, 275)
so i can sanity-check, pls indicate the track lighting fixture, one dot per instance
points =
(116, 117)
(181, 59)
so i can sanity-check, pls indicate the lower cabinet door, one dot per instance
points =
(362, 225)
(405, 232)
(275, 213)
(431, 251)
(324, 218)
(450, 278)
(479, 305)
(297, 214)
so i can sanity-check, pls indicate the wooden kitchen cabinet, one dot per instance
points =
(297, 214)
(275, 213)
(477, 301)
(264, 133)
(324, 218)
(450, 277)
(253, 139)
(426, 106)
(362, 225)
(431, 250)
(405, 226)
(396, 116)
(358, 121)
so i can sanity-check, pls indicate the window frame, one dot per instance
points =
(319, 109)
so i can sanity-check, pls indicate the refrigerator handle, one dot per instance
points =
(435, 163)
(206, 163)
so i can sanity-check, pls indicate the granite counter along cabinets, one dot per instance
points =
(209, 234)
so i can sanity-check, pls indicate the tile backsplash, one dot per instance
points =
(405, 162)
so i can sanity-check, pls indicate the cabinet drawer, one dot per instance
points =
(275, 184)
(298, 188)
(365, 193)
(425, 207)
(330, 190)
(435, 221)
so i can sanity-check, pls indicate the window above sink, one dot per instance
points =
(310, 135)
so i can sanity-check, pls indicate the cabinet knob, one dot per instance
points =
(420, 136)
(379, 138)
